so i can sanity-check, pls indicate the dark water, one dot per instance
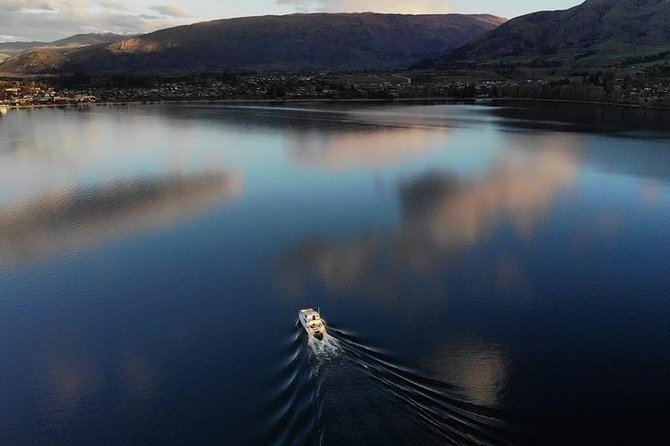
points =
(489, 275)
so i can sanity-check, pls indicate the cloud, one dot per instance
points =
(170, 11)
(48, 20)
(398, 6)
(114, 5)
(26, 5)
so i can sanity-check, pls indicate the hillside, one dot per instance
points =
(83, 40)
(40, 60)
(292, 43)
(595, 32)
(11, 49)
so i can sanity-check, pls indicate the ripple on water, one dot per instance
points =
(339, 389)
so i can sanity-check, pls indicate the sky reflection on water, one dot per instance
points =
(443, 213)
(510, 271)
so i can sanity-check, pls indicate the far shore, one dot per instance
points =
(330, 101)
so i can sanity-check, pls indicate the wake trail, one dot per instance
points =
(322, 385)
(290, 416)
(326, 348)
(438, 407)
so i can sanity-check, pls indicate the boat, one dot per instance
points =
(312, 323)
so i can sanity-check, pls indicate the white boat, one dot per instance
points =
(312, 323)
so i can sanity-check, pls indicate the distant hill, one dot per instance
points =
(597, 32)
(291, 42)
(83, 40)
(39, 60)
(11, 49)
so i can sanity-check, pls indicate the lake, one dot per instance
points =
(489, 274)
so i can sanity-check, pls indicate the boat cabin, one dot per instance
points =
(312, 322)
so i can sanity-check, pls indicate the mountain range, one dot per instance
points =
(596, 32)
(362, 41)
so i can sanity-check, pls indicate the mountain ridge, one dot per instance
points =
(12, 49)
(295, 42)
(596, 31)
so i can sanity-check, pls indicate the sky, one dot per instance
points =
(47, 20)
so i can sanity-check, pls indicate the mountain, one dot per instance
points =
(39, 60)
(83, 40)
(291, 43)
(598, 32)
(11, 49)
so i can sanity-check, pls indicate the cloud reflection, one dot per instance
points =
(442, 214)
(70, 378)
(479, 371)
(447, 213)
(69, 219)
(364, 149)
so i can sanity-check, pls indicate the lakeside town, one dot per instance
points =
(650, 88)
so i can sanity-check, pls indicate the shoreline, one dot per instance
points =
(235, 101)
(455, 100)
(574, 101)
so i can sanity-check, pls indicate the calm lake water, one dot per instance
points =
(490, 275)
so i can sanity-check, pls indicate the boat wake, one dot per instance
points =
(339, 390)
(326, 348)
(290, 418)
(439, 408)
